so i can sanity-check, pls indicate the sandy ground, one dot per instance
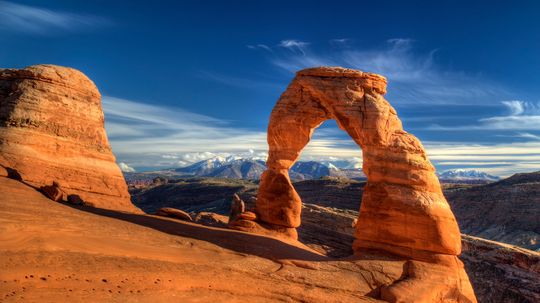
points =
(52, 252)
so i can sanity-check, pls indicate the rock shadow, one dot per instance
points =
(241, 242)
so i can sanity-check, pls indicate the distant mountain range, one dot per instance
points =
(249, 168)
(252, 168)
(466, 176)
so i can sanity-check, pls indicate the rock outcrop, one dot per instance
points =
(174, 213)
(501, 272)
(403, 209)
(52, 130)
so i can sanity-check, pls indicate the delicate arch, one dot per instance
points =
(403, 208)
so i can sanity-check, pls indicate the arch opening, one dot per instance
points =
(330, 194)
(403, 210)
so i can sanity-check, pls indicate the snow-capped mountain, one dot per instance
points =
(311, 168)
(252, 168)
(239, 169)
(203, 167)
(466, 175)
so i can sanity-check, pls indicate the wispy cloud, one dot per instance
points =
(340, 42)
(296, 46)
(38, 20)
(243, 82)
(144, 135)
(414, 76)
(528, 136)
(520, 116)
(501, 159)
(260, 46)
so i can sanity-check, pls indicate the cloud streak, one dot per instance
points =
(414, 77)
(37, 20)
(521, 116)
(295, 46)
(149, 136)
(144, 135)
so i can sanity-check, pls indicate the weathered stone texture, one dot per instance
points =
(52, 129)
(403, 209)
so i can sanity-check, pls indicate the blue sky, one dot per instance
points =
(186, 80)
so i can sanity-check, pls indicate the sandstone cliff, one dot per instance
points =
(52, 130)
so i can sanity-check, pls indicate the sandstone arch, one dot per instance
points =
(403, 208)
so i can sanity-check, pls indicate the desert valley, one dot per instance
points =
(361, 183)
(60, 221)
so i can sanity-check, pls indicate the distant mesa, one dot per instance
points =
(52, 129)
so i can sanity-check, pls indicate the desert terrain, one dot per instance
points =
(54, 252)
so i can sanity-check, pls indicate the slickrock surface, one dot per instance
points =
(498, 272)
(403, 208)
(54, 252)
(52, 129)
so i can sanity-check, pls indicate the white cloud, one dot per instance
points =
(518, 108)
(515, 107)
(126, 168)
(160, 137)
(294, 45)
(31, 19)
(522, 116)
(528, 136)
(510, 123)
(414, 77)
(501, 159)
(145, 135)
(260, 46)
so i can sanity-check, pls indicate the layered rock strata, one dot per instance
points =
(52, 130)
(403, 209)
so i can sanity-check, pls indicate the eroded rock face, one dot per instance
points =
(403, 209)
(52, 129)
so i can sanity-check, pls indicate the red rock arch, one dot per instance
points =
(403, 208)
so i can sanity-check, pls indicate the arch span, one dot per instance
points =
(403, 209)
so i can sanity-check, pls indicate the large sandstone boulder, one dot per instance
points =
(403, 209)
(52, 129)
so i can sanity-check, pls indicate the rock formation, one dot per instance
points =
(403, 209)
(174, 213)
(498, 272)
(52, 130)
